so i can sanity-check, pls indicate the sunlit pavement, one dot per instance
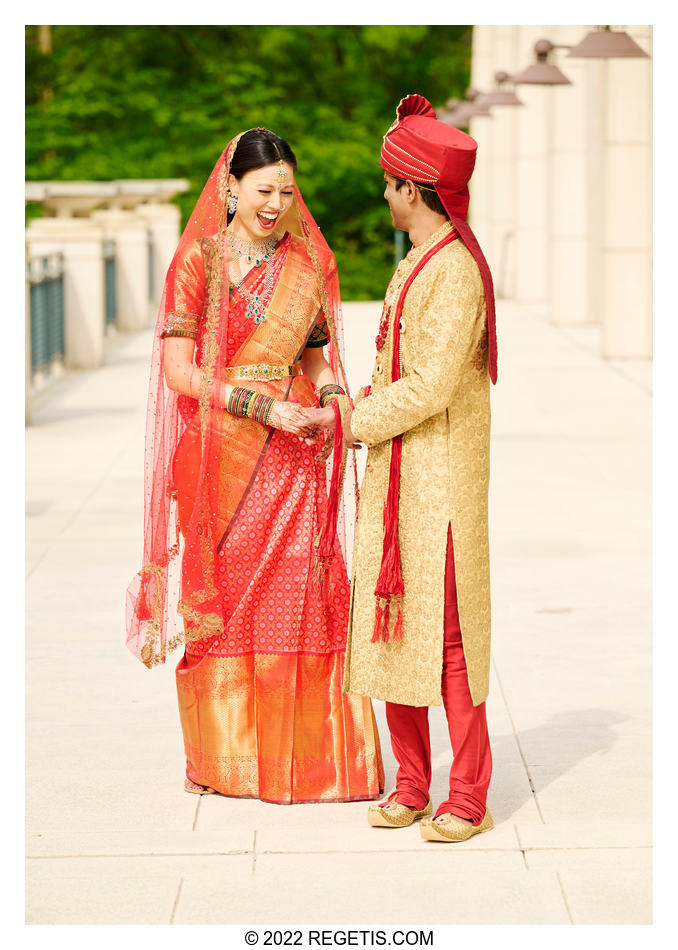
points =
(112, 837)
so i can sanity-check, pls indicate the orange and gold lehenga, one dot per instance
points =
(260, 683)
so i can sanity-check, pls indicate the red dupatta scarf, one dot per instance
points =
(223, 452)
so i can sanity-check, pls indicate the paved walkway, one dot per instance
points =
(112, 838)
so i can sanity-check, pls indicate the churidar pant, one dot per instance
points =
(472, 760)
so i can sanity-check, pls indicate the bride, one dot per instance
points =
(236, 498)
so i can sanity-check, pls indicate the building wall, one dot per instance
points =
(562, 193)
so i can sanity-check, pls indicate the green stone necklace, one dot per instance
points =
(255, 253)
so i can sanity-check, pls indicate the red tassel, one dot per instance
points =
(381, 621)
(386, 621)
(378, 622)
(398, 629)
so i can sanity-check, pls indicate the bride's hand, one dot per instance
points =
(320, 418)
(288, 416)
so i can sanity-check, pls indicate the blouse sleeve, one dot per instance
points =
(186, 295)
(319, 334)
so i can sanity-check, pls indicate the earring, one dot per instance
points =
(232, 202)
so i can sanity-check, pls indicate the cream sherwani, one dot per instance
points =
(441, 405)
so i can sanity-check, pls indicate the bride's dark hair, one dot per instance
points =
(259, 148)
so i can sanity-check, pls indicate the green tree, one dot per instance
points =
(162, 102)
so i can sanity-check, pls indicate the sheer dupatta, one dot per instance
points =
(177, 580)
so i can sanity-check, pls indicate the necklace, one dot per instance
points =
(257, 253)
(254, 252)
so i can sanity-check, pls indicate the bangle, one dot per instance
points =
(329, 393)
(260, 408)
(236, 400)
(250, 405)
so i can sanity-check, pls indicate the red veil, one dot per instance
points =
(175, 589)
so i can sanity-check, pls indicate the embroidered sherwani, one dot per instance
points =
(441, 405)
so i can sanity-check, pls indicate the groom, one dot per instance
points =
(420, 618)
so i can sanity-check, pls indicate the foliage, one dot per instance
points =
(162, 102)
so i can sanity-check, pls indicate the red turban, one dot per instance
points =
(420, 148)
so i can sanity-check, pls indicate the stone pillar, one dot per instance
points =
(595, 176)
(627, 161)
(130, 233)
(81, 243)
(480, 127)
(163, 222)
(533, 179)
(504, 169)
(569, 259)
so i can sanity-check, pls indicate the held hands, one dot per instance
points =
(311, 425)
(288, 416)
(319, 419)
(322, 420)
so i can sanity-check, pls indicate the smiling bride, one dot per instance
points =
(236, 498)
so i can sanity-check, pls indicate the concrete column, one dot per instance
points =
(627, 262)
(504, 169)
(163, 222)
(596, 70)
(130, 233)
(480, 127)
(533, 179)
(81, 243)
(569, 261)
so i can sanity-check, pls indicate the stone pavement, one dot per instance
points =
(113, 839)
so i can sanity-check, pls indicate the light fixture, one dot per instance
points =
(499, 96)
(458, 112)
(542, 73)
(473, 107)
(604, 43)
(446, 115)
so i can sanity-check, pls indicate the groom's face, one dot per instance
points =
(397, 203)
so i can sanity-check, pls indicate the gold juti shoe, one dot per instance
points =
(394, 815)
(450, 828)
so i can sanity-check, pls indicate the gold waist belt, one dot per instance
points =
(261, 371)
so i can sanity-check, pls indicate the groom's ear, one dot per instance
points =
(412, 190)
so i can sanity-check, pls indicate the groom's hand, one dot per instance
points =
(317, 422)
(349, 439)
(323, 420)
(319, 418)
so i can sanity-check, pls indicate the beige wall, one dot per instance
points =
(562, 193)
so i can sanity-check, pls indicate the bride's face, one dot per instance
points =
(264, 195)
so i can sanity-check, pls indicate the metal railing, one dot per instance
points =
(46, 283)
(109, 282)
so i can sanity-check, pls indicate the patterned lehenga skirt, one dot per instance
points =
(262, 708)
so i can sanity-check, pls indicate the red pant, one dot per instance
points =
(408, 725)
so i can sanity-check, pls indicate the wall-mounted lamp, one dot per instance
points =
(470, 109)
(543, 73)
(604, 43)
(499, 96)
